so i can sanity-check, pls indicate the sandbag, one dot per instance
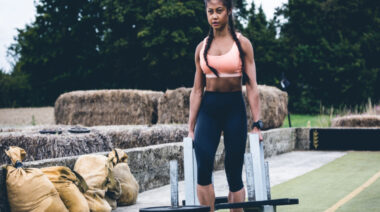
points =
(96, 200)
(28, 188)
(96, 170)
(113, 192)
(121, 172)
(70, 187)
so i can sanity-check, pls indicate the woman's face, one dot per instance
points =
(217, 14)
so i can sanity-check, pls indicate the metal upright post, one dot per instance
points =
(174, 182)
(249, 176)
(258, 167)
(190, 171)
(263, 172)
(267, 179)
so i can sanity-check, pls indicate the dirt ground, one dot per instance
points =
(10, 117)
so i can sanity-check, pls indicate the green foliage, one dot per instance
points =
(14, 89)
(328, 58)
(169, 50)
(59, 51)
(262, 34)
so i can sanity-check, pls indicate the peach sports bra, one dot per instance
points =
(227, 65)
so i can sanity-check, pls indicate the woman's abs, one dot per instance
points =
(223, 84)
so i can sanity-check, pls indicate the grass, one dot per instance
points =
(302, 120)
(324, 118)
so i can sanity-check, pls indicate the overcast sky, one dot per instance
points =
(17, 13)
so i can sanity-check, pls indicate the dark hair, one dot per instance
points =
(229, 6)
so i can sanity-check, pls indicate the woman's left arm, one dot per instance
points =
(251, 83)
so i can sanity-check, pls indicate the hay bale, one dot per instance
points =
(356, 121)
(100, 138)
(107, 107)
(125, 137)
(273, 106)
(173, 106)
(44, 146)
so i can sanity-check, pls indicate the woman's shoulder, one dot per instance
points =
(200, 45)
(244, 41)
(198, 49)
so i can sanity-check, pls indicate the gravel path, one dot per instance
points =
(16, 117)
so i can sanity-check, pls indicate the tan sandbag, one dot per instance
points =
(113, 191)
(96, 170)
(70, 187)
(28, 188)
(121, 171)
(111, 202)
(96, 201)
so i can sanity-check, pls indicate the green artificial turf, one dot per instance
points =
(367, 200)
(320, 189)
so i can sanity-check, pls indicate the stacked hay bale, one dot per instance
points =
(107, 107)
(273, 106)
(173, 106)
(356, 121)
(99, 139)
(44, 146)
(130, 136)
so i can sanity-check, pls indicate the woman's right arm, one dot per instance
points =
(196, 92)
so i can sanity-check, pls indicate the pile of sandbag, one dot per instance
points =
(97, 172)
(28, 188)
(70, 187)
(96, 184)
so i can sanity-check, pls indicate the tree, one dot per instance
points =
(262, 34)
(169, 38)
(328, 59)
(58, 52)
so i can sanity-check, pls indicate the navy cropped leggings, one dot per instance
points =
(221, 111)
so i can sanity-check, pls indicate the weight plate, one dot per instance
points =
(79, 130)
(51, 131)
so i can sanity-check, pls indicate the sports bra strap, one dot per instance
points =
(204, 42)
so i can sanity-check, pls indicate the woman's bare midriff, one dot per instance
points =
(223, 84)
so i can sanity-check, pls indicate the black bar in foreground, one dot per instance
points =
(256, 203)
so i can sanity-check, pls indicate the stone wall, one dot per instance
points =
(302, 138)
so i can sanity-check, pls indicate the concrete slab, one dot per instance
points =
(281, 169)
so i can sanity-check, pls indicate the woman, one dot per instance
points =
(221, 59)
